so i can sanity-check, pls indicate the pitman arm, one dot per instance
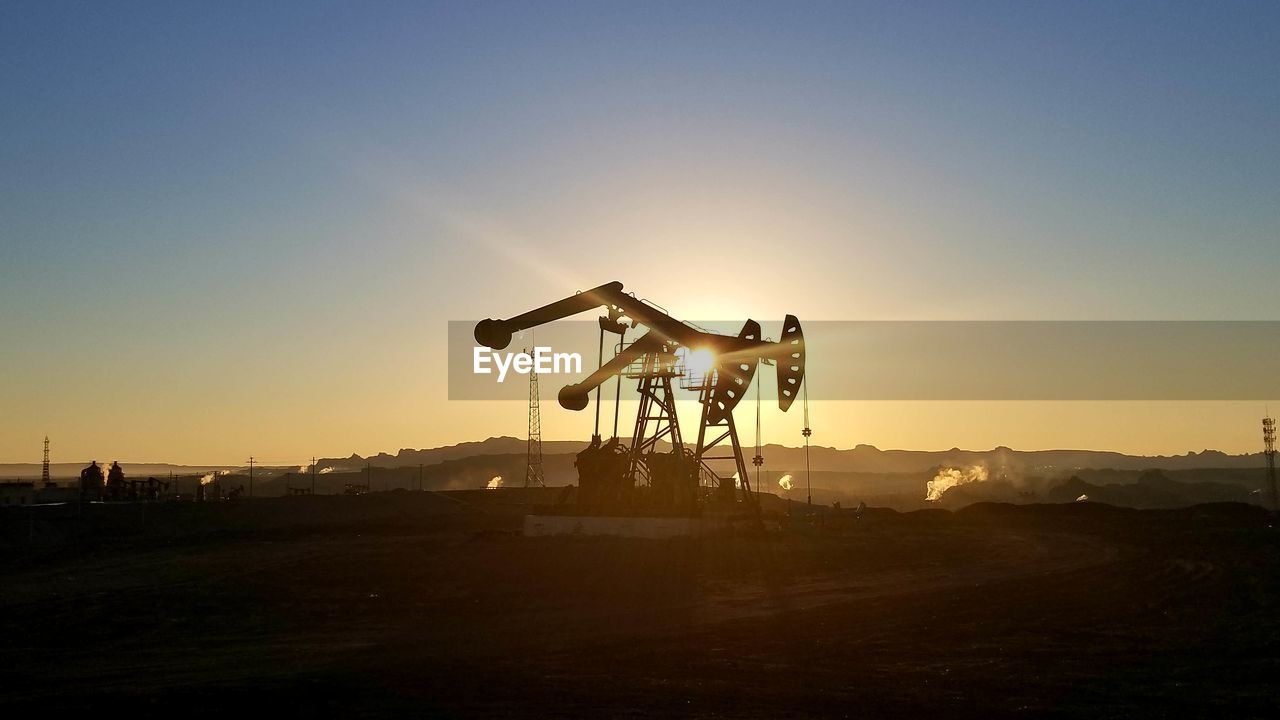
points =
(574, 397)
(497, 333)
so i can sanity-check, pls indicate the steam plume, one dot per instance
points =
(949, 477)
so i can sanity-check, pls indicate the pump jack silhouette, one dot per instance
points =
(611, 473)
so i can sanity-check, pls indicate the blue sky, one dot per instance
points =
(259, 216)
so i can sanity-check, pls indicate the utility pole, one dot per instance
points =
(595, 436)
(808, 433)
(251, 476)
(758, 459)
(617, 386)
(313, 475)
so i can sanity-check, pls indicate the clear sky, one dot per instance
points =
(231, 228)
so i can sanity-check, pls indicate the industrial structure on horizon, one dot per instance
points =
(1269, 449)
(533, 472)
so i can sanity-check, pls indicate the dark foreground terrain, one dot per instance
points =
(427, 604)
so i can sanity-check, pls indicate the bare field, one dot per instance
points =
(426, 604)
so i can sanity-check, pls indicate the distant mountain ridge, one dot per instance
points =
(862, 458)
(409, 457)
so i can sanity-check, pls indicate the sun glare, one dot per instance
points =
(700, 362)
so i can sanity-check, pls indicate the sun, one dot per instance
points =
(699, 362)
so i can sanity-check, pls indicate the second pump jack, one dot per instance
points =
(639, 476)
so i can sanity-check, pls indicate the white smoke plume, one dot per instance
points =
(206, 478)
(949, 477)
(495, 483)
(784, 482)
(1083, 498)
(326, 470)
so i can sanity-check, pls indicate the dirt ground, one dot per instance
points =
(424, 604)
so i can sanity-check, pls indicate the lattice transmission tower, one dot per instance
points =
(44, 473)
(1269, 441)
(533, 455)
